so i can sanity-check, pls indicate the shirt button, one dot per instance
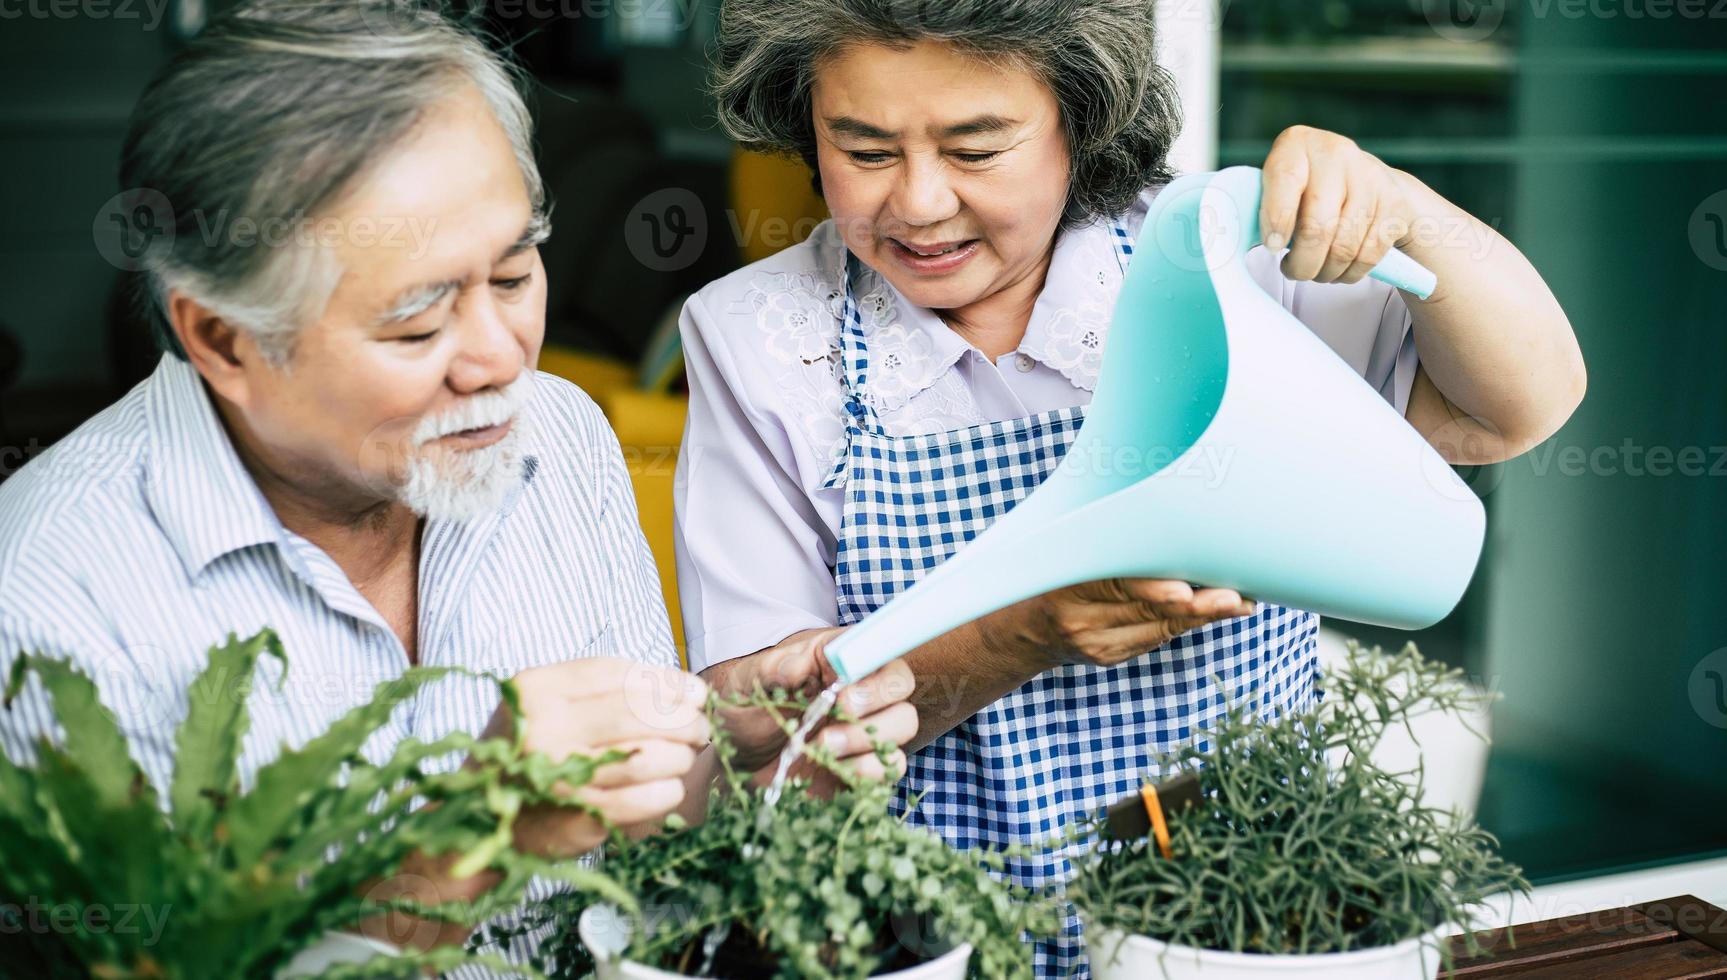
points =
(1023, 362)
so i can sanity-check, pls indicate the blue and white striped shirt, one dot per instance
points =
(140, 540)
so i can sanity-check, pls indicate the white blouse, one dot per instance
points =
(755, 531)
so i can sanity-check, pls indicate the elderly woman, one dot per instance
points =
(866, 402)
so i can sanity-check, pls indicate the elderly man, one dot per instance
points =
(346, 439)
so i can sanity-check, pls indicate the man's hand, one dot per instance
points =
(797, 664)
(579, 707)
(589, 707)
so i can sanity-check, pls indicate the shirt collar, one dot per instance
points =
(1071, 318)
(200, 493)
(910, 348)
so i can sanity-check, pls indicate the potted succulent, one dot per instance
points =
(1302, 856)
(804, 887)
(235, 882)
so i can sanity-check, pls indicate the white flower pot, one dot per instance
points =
(1119, 956)
(334, 949)
(606, 933)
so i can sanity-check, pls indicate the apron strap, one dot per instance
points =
(854, 358)
(1123, 246)
(854, 373)
(854, 353)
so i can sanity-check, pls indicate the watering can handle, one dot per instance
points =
(1244, 186)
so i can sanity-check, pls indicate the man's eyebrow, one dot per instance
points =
(416, 300)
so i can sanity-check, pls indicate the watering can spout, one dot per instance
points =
(1261, 461)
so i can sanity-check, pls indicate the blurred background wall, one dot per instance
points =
(1593, 133)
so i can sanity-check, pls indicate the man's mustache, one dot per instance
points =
(480, 411)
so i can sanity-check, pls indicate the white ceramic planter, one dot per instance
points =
(1119, 956)
(607, 934)
(334, 949)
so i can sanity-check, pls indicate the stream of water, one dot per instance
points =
(818, 710)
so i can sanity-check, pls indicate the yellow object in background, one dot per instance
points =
(650, 427)
(773, 204)
(592, 373)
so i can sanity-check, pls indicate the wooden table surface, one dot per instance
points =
(1680, 937)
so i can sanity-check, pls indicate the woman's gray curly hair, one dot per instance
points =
(1120, 109)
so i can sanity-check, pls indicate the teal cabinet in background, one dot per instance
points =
(1606, 604)
(1598, 144)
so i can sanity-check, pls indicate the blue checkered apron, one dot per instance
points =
(1072, 740)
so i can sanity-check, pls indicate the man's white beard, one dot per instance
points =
(459, 484)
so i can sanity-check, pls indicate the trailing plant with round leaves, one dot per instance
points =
(1301, 844)
(247, 878)
(827, 889)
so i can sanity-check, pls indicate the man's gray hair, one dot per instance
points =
(1119, 108)
(270, 115)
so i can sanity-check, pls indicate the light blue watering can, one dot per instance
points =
(1225, 445)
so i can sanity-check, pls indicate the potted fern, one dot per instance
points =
(827, 889)
(1303, 857)
(246, 879)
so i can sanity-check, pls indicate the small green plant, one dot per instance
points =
(1301, 844)
(835, 889)
(241, 880)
